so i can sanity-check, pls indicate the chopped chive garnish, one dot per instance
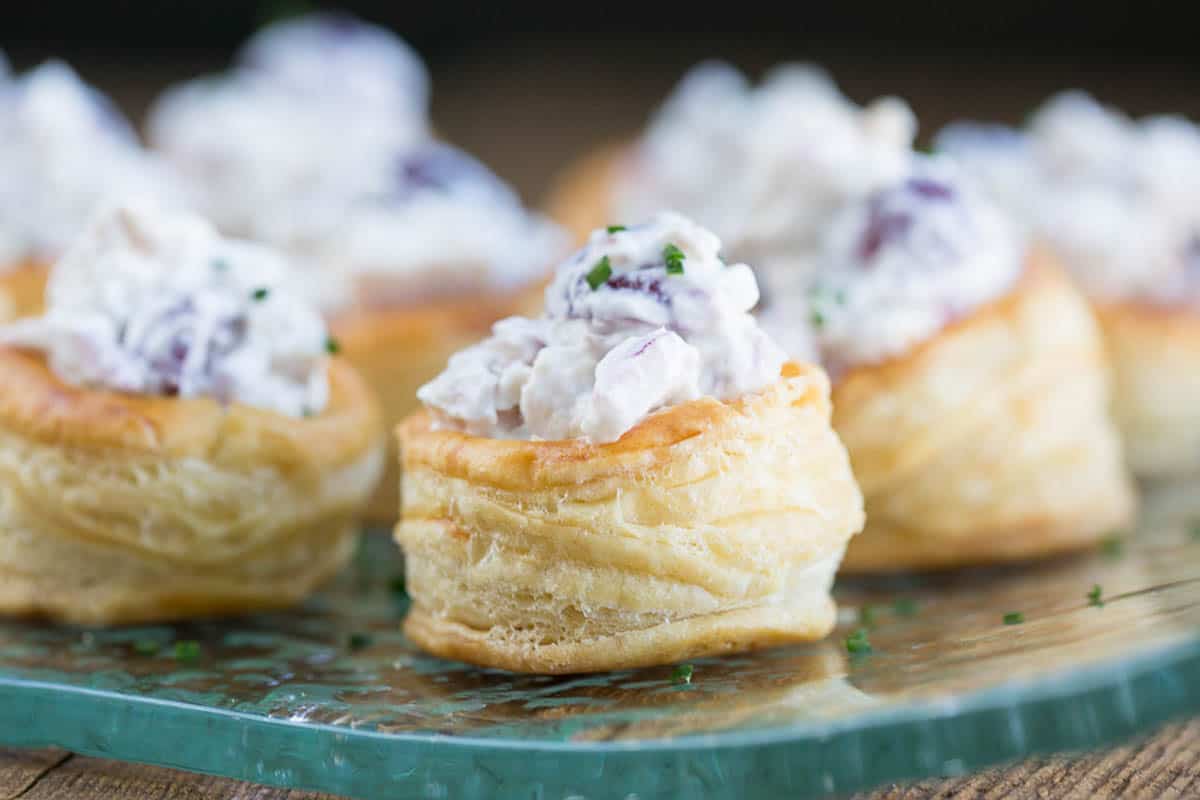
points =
(857, 643)
(260, 294)
(1096, 596)
(866, 616)
(905, 606)
(615, 228)
(674, 258)
(1112, 546)
(397, 585)
(817, 318)
(187, 650)
(599, 273)
(306, 412)
(331, 346)
(145, 647)
(358, 641)
(220, 264)
(682, 674)
(1014, 618)
(1194, 531)
(839, 297)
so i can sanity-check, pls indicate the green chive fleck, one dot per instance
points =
(261, 294)
(674, 258)
(306, 412)
(1014, 618)
(839, 297)
(331, 346)
(397, 585)
(905, 606)
(1112, 546)
(220, 265)
(1194, 531)
(817, 319)
(599, 273)
(615, 228)
(358, 641)
(145, 647)
(1096, 596)
(857, 643)
(682, 674)
(187, 650)
(866, 616)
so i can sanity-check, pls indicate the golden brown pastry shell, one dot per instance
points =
(117, 508)
(398, 351)
(23, 289)
(581, 198)
(1155, 353)
(992, 441)
(708, 528)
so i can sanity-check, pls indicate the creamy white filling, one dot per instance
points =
(266, 164)
(149, 302)
(445, 225)
(307, 120)
(904, 262)
(63, 151)
(638, 320)
(1117, 199)
(766, 167)
(317, 143)
(335, 58)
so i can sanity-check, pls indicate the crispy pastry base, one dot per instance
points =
(119, 508)
(991, 442)
(398, 351)
(1155, 353)
(709, 528)
(23, 290)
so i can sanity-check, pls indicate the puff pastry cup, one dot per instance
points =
(581, 198)
(710, 527)
(118, 508)
(23, 289)
(990, 442)
(397, 351)
(1155, 352)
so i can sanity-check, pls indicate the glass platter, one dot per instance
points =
(331, 697)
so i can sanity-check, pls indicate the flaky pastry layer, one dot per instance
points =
(1155, 353)
(119, 508)
(991, 442)
(710, 527)
(400, 350)
(22, 289)
(581, 198)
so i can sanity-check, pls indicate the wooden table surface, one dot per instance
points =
(1165, 764)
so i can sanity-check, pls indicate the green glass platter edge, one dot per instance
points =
(1077, 709)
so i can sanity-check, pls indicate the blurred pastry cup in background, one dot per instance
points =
(765, 167)
(317, 141)
(971, 384)
(1155, 351)
(64, 148)
(397, 351)
(636, 477)
(22, 288)
(417, 275)
(176, 441)
(1117, 201)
